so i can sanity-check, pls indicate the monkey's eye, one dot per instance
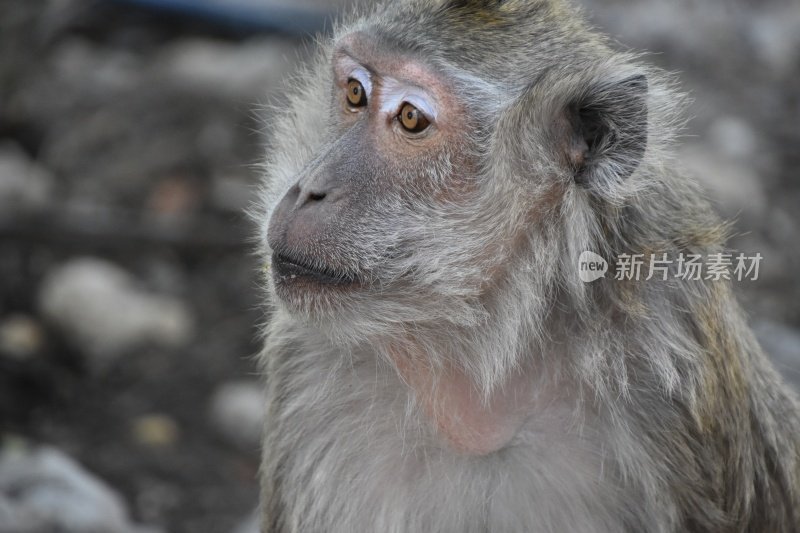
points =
(356, 95)
(412, 119)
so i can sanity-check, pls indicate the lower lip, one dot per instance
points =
(285, 271)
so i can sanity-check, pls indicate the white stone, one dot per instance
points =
(100, 307)
(45, 490)
(23, 183)
(237, 410)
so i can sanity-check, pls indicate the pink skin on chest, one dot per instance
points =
(465, 421)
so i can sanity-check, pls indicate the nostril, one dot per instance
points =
(311, 196)
(316, 196)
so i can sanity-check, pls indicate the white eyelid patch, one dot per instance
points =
(356, 72)
(394, 93)
(362, 76)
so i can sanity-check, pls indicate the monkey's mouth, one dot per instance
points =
(290, 269)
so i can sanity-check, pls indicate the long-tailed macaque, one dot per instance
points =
(434, 361)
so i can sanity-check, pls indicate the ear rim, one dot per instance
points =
(610, 120)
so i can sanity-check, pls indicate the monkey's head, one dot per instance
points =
(443, 164)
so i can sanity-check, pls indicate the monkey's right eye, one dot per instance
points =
(356, 95)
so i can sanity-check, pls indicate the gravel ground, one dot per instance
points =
(129, 297)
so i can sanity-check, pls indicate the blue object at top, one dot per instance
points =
(245, 15)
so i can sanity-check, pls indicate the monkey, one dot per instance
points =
(433, 361)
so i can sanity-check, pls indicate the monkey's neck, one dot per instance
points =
(462, 417)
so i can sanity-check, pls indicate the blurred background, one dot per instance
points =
(130, 137)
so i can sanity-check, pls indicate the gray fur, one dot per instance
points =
(653, 408)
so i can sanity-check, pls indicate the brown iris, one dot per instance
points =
(412, 119)
(356, 95)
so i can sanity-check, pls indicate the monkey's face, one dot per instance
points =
(383, 194)
(414, 190)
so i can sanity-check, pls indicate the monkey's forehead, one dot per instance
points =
(503, 40)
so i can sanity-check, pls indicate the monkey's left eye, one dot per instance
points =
(356, 95)
(412, 119)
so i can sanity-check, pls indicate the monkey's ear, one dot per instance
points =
(606, 132)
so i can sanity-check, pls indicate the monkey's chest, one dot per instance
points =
(347, 452)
